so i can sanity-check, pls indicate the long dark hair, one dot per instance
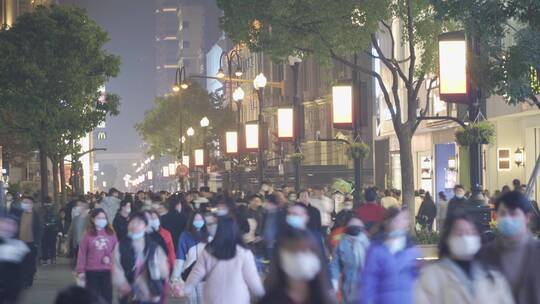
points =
(449, 223)
(276, 281)
(223, 246)
(91, 227)
(199, 235)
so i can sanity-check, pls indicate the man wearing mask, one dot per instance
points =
(459, 202)
(111, 203)
(77, 227)
(30, 232)
(515, 253)
(12, 254)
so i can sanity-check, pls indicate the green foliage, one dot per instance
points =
(477, 133)
(425, 237)
(359, 150)
(52, 64)
(296, 157)
(161, 126)
(342, 185)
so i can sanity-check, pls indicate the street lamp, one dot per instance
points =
(285, 117)
(231, 142)
(238, 97)
(238, 94)
(180, 81)
(294, 62)
(190, 132)
(342, 106)
(205, 122)
(259, 83)
(230, 57)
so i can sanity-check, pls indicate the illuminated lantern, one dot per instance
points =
(185, 161)
(199, 157)
(252, 136)
(166, 171)
(285, 123)
(342, 106)
(150, 175)
(453, 83)
(231, 142)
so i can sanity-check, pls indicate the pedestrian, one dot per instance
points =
(339, 227)
(94, 262)
(211, 220)
(391, 265)
(325, 205)
(515, 252)
(111, 203)
(348, 261)
(13, 253)
(138, 202)
(77, 228)
(191, 246)
(254, 217)
(427, 213)
(120, 219)
(272, 220)
(370, 212)
(338, 199)
(459, 277)
(442, 208)
(30, 232)
(388, 200)
(228, 268)
(459, 202)
(140, 265)
(314, 215)
(49, 218)
(297, 273)
(176, 218)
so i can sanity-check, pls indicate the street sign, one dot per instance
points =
(182, 170)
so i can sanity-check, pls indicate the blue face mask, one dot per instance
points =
(222, 212)
(100, 223)
(198, 224)
(296, 221)
(136, 235)
(510, 226)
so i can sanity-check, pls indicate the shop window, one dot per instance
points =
(503, 159)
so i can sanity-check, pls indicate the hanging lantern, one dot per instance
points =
(285, 124)
(453, 82)
(231, 142)
(342, 106)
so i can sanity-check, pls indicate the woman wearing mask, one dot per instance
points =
(391, 264)
(160, 235)
(140, 265)
(211, 223)
(297, 275)
(458, 277)
(120, 219)
(190, 248)
(228, 268)
(348, 261)
(94, 261)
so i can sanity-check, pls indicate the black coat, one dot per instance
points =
(175, 222)
(120, 225)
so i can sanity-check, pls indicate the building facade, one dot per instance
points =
(166, 45)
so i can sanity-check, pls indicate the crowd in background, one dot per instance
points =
(276, 246)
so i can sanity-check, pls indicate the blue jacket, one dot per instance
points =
(389, 278)
(348, 259)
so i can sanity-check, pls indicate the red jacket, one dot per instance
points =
(370, 214)
(171, 253)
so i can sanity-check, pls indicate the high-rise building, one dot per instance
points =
(166, 44)
(11, 9)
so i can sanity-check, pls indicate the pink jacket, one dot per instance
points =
(227, 281)
(96, 252)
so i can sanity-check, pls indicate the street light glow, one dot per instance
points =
(285, 118)
(238, 72)
(231, 142)
(238, 94)
(176, 88)
(453, 66)
(199, 157)
(190, 132)
(184, 85)
(259, 82)
(205, 122)
(252, 136)
(220, 73)
(342, 106)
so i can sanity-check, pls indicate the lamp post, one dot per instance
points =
(180, 83)
(238, 97)
(259, 83)
(455, 86)
(190, 132)
(205, 122)
(294, 62)
(230, 57)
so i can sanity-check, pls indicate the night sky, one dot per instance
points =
(130, 24)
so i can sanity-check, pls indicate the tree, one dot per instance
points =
(512, 66)
(341, 29)
(52, 64)
(162, 125)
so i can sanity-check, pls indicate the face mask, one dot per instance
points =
(510, 226)
(198, 224)
(397, 233)
(396, 244)
(76, 212)
(100, 223)
(26, 206)
(222, 212)
(212, 229)
(460, 195)
(292, 198)
(347, 207)
(136, 235)
(128, 210)
(147, 202)
(9, 199)
(155, 223)
(464, 247)
(296, 221)
(300, 265)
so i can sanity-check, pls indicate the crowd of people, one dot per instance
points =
(275, 246)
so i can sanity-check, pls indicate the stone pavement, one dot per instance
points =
(49, 280)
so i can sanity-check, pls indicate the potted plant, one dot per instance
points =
(358, 150)
(428, 243)
(482, 133)
(296, 157)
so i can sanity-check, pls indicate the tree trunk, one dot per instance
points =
(407, 170)
(54, 161)
(63, 190)
(43, 172)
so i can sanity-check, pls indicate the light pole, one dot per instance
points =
(190, 132)
(180, 83)
(205, 122)
(294, 62)
(230, 57)
(259, 83)
(238, 97)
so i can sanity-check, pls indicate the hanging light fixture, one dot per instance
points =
(342, 106)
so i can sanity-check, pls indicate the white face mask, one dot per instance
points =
(300, 265)
(396, 244)
(26, 207)
(464, 247)
(155, 223)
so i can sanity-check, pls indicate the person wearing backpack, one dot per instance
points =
(140, 265)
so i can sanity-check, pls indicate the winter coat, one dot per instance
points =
(175, 222)
(348, 259)
(111, 205)
(444, 282)
(389, 278)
